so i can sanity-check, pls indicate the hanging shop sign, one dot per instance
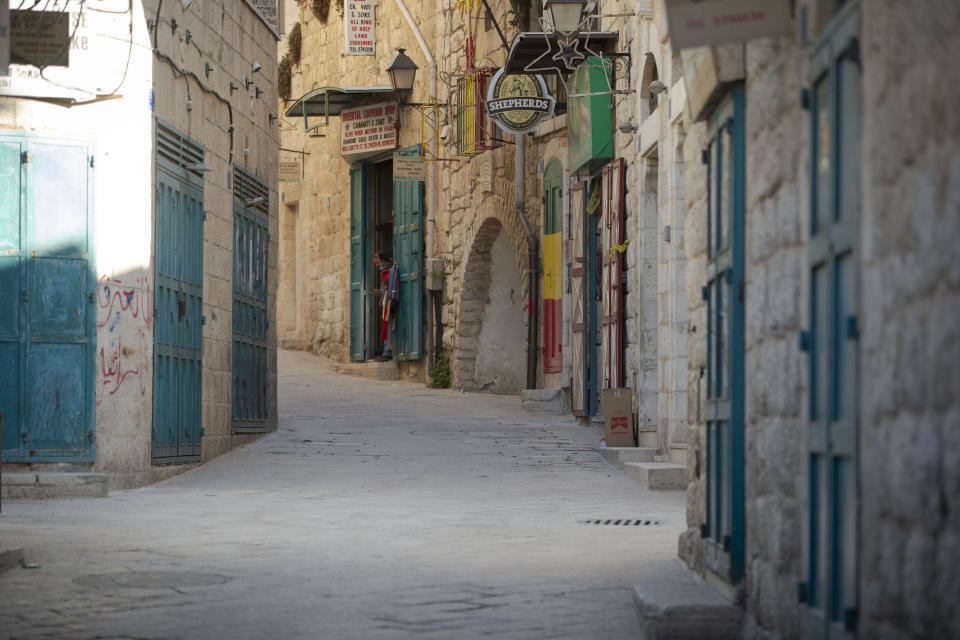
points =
(696, 23)
(360, 28)
(367, 131)
(589, 116)
(289, 170)
(95, 44)
(518, 102)
(40, 38)
(4, 36)
(408, 168)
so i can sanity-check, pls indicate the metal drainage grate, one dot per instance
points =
(629, 522)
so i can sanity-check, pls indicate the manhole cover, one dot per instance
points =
(151, 580)
(622, 522)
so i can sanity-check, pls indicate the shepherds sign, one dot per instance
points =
(518, 102)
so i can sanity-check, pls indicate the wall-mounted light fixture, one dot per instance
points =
(233, 87)
(256, 67)
(565, 15)
(247, 82)
(197, 166)
(656, 86)
(207, 69)
(253, 202)
(402, 72)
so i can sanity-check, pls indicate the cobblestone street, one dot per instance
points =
(378, 510)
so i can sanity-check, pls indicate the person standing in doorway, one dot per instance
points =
(389, 301)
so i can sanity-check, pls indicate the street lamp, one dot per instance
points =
(565, 14)
(402, 71)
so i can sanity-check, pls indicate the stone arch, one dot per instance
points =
(648, 101)
(475, 288)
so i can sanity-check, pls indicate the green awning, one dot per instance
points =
(330, 101)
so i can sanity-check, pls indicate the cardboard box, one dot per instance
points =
(618, 418)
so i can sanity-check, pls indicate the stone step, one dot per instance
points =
(678, 453)
(617, 456)
(688, 610)
(553, 401)
(647, 438)
(388, 370)
(44, 485)
(658, 475)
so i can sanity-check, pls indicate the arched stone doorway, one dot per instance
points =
(491, 328)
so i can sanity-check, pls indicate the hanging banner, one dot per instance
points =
(696, 23)
(518, 102)
(368, 130)
(359, 22)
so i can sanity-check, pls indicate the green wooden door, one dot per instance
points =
(830, 590)
(407, 247)
(47, 298)
(358, 264)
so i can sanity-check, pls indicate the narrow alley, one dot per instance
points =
(379, 509)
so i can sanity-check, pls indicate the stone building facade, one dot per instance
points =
(788, 222)
(846, 517)
(140, 205)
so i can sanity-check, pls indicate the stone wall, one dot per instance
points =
(910, 186)
(231, 42)
(909, 344)
(775, 432)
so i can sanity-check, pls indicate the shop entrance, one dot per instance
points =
(380, 201)
(385, 216)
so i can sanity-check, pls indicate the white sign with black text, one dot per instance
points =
(360, 24)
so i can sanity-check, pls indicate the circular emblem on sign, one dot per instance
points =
(518, 102)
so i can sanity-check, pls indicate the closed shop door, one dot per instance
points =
(578, 301)
(611, 255)
(251, 207)
(830, 590)
(552, 267)
(178, 293)
(47, 297)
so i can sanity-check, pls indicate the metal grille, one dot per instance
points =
(622, 522)
(179, 150)
(247, 187)
(475, 131)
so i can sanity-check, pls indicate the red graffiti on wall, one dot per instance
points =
(120, 362)
(116, 299)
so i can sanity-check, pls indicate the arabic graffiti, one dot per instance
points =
(124, 319)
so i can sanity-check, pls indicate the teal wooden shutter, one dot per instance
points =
(726, 187)
(358, 262)
(830, 591)
(251, 240)
(178, 300)
(48, 293)
(407, 246)
(11, 293)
